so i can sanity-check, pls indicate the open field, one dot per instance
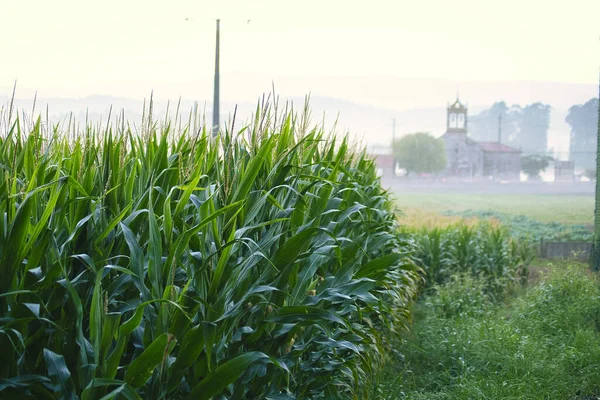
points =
(565, 207)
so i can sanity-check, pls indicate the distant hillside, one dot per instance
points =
(364, 118)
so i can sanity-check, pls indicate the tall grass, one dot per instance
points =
(165, 263)
(542, 344)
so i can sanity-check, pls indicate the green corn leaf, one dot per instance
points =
(141, 367)
(210, 333)
(378, 265)
(224, 375)
(112, 224)
(22, 382)
(303, 315)
(189, 351)
(110, 328)
(251, 172)
(60, 375)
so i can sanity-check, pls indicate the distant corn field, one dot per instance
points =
(481, 249)
(164, 263)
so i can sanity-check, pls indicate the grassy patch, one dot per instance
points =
(521, 226)
(542, 344)
(567, 209)
(420, 218)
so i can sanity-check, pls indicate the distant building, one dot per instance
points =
(468, 158)
(385, 162)
(564, 170)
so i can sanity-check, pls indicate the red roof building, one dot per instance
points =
(494, 147)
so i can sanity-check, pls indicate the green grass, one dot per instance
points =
(545, 208)
(522, 227)
(543, 343)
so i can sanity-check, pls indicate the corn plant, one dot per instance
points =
(483, 249)
(163, 262)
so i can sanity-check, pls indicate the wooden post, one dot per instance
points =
(542, 248)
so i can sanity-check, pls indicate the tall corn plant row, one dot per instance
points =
(263, 263)
(481, 250)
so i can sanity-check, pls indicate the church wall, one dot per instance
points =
(502, 165)
(464, 156)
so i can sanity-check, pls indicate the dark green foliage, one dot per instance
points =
(590, 173)
(583, 119)
(522, 227)
(532, 165)
(521, 127)
(420, 153)
(171, 264)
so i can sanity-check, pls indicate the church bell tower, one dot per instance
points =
(457, 117)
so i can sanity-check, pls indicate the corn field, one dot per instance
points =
(484, 250)
(161, 262)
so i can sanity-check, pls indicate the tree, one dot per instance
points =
(420, 152)
(583, 119)
(533, 122)
(533, 165)
(483, 127)
(522, 127)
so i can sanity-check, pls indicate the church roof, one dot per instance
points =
(457, 105)
(487, 147)
(495, 147)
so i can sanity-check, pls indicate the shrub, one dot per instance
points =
(534, 164)
(420, 153)
(462, 295)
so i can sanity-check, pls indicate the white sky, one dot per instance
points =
(129, 47)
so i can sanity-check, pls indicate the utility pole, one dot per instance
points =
(393, 140)
(216, 97)
(499, 128)
(596, 248)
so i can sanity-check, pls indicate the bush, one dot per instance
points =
(171, 264)
(590, 173)
(532, 165)
(420, 153)
(462, 295)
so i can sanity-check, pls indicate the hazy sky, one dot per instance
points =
(129, 47)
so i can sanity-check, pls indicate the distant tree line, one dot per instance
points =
(583, 119)
(520, 127)
(527, 127)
